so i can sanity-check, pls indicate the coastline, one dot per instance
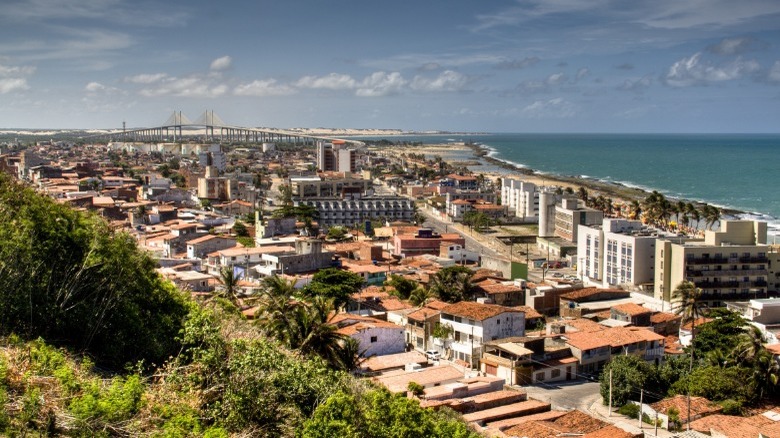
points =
(456, 154)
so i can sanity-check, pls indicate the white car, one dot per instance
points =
(433, 355)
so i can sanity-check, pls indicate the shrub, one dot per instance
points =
(630, 410)
(416, 389)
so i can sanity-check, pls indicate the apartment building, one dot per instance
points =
(348, 212)
(521, 198)
(336, 156)
(728, 265)
(325, 185)
(616, 252)
(569, 215)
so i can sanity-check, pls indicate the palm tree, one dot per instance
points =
(420, 296)
(687, 296)
(711, 215)
(766, 372)
(636, 209)
(452, 284)
(693, 213)
(582, 194)
(229, 290)
(751, 342)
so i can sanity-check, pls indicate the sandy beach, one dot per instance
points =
(459, 154)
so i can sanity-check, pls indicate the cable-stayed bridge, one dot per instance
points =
(209, 127)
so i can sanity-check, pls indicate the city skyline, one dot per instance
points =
(524, 66)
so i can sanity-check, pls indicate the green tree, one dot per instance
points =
(239, 228)
(629, 375)
(402, 285)
(453, 284)
(229, 289)
(77, 281)
(335, 284)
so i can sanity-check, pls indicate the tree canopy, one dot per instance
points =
(71, 279)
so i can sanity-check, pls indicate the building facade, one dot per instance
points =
(728, 265)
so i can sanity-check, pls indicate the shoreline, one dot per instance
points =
(617, 191)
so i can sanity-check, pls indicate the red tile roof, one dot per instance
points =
(631, 309)
(476, 311)
(611, 337)
(699, 406)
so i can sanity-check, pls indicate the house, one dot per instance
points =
(529, 360)
(376, 337)
(699, 407)
(474, 323)
(766, 424)
(426, 377)
(632, 313)
(593, 349)
(419, 327)
(424, 242)
(591, 300)
(573, 423)
(202, 246)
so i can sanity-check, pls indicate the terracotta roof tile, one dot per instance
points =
(659, 317)
(699, 406)
(611, 337)
(476, 311)
(631, 309)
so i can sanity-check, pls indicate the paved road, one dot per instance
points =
(579, 394)
(440, 226)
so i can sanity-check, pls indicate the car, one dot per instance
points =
(433, 355)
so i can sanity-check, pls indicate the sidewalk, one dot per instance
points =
(598, 410)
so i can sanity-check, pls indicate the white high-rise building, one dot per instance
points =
(521, 197)
(618, 252)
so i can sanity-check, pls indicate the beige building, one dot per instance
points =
(569, 215)
(729, 264)
(317, 186)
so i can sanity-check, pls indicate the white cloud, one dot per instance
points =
(516, 64)
(638, 84)
(221, 64)
(448, 80)
(332, 81)
(552, 108)
(695, 71)
(259, 88)
(13, 84)
(731, 46)
(381, 84)
(556, 79)
(190, 86)
(94, 87)
(6, 71)
(581, 73)
(14, 78)
(774, 72)
(145, 78)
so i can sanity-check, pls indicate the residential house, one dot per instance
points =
(593, 349)
(474, 323)
(699, 407)
(376, 337)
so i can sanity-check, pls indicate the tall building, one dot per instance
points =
(336, 156)
(213, 156)
(729, 264)
(618, 252)
(521, 197)
(569, 215)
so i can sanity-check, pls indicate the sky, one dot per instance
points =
(669, 66)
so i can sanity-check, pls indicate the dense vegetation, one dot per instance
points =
(730, 366)
(78, 294)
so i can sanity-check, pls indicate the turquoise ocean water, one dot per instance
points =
(739, 171)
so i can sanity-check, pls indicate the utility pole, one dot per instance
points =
(641, 398)
(610, 393)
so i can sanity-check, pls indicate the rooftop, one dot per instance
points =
(477, 311)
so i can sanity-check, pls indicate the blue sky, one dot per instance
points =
(497, 66)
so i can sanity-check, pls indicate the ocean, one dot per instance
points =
(737, 171)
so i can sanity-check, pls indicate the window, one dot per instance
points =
(540, 377)
(555, 373)
(373, 339)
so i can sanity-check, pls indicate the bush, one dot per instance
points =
(416, 389)
(630, 410)
(732, 407)
(81, 284)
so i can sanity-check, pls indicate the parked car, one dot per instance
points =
(433, 355)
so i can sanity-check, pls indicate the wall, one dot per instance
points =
(389, 341)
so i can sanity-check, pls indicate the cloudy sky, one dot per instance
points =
(458, 65)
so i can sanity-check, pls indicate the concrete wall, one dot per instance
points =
(388, 341)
